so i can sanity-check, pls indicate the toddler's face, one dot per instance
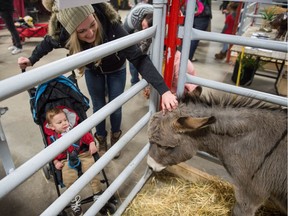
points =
(144, 24)
(59, 123)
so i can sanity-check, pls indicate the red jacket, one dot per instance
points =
(73, 118)
(229, 23)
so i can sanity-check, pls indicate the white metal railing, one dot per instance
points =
(22, 82)
(31, 78)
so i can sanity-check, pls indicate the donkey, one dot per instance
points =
(248, 137)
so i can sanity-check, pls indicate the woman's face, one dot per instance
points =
(86, 31)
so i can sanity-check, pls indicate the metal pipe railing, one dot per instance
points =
(189, 19)
(135, 190)
(19, 83)
(96, 207)
(235, 39)
(238, 90)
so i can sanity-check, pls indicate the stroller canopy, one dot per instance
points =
(60, 91)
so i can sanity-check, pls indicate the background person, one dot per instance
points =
(228, 28)
(6, 12)
(140, 17)
(188, 87)
(201, 22)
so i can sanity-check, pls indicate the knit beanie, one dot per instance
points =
(70, 18)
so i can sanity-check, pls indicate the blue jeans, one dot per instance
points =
(225, 47)
(200, 23)
(96, 84)
(134, 74)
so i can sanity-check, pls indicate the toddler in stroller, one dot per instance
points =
(76, 159)
(54, 106)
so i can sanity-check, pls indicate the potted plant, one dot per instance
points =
(249, 65)
(268, 14)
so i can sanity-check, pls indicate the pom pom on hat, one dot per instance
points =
(70, 18)
(48, 4)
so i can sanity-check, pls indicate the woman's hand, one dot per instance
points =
(92, 148)
(169, 101)
(24, 62)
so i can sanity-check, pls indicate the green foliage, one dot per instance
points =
(248, 61)
(268, 13)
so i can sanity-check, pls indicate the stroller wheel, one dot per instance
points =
(46, 171)
(63, 213)
(108, 209)
(113, 200)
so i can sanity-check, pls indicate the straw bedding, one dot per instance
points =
(166, 194)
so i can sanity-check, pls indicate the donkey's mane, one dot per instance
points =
(228, 100)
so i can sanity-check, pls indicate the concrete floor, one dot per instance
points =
(25, 140)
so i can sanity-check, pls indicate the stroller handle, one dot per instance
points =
(31, 91)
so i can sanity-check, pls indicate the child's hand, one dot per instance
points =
(92, 148)
(146, 92)
(58, 164)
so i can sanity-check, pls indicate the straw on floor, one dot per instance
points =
(166, 194)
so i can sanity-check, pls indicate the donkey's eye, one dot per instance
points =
(166, 147)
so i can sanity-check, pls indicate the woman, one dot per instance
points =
(81, 28)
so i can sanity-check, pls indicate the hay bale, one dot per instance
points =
(167, 194)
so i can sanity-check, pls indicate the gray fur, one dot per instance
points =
(248, 137)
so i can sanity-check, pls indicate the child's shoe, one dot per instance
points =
(76, 206)
(220, 55)
(146, 92)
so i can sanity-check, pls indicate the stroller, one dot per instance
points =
(63, 92)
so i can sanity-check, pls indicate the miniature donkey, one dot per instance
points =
(248, 137)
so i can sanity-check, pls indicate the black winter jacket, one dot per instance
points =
(112, 31)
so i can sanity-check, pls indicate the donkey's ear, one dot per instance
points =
(196, 92)
(188, 124)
